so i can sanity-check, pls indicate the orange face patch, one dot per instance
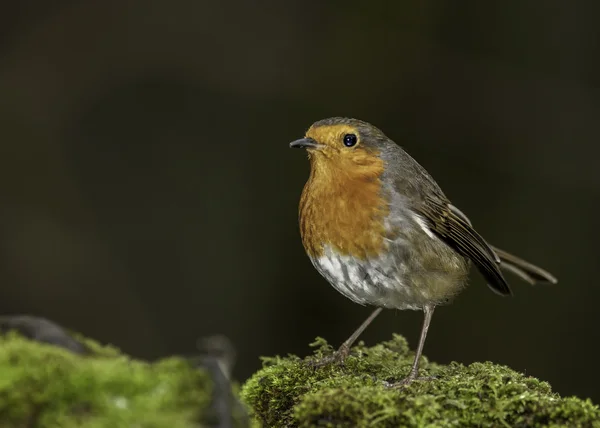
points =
(342, 203)
(331, 135)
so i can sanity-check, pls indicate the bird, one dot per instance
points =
(377, 226)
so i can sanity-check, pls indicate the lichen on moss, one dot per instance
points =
(46, 386)
(292, 392)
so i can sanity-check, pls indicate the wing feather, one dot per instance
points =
(455, 229)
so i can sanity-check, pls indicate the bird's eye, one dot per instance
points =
(350, 140)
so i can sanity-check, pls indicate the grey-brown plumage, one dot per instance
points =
(453, 227)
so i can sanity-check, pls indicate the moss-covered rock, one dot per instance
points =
(292, 392)
(43, 385)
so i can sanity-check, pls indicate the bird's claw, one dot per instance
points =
(408, 380)
(338, 358)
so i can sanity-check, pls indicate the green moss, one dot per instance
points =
(291, 392)
(46, 386)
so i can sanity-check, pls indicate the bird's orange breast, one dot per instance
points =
(343, 207)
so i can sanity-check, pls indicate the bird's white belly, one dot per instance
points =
(379, 281)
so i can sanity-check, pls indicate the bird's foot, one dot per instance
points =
(338, 358)
(412, 377)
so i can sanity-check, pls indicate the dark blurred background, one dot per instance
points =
(148, 195)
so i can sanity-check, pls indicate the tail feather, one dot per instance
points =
(525, 270)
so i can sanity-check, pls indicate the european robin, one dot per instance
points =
(380, 230)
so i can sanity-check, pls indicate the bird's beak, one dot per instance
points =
(305, 143)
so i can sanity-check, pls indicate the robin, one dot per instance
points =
(380, 230)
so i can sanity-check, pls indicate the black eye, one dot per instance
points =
(350, 140)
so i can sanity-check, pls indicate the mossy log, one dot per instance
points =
(291, 391)
(51, 380)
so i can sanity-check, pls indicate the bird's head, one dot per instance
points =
(342, 145)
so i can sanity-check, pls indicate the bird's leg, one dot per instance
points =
(344, 350)
(414, 371)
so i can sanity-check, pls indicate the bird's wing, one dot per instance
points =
(454, 228)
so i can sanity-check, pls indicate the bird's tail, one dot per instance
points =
(523, 269)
